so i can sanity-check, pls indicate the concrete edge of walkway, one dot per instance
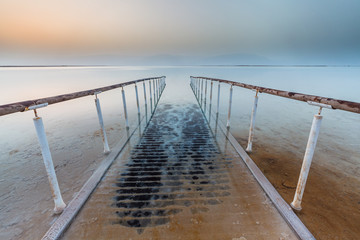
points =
(281, 205)
(285, 210)
(60, 225)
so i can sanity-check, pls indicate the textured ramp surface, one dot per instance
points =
(177, 182)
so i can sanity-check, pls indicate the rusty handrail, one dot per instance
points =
(22, 106)
(334, 103)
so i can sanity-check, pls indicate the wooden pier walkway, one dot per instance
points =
(179, 180)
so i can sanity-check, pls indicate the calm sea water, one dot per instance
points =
(283, 122)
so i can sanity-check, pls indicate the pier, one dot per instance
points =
(177, 173)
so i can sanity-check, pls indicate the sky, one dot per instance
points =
(277, 28)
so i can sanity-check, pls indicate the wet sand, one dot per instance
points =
(26, 201)
(331, 202)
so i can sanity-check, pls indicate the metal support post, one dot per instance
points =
(252, 123)
(145, 100)
(155, 102)
(218, 100)
(216, 123)
(195, 87)
(101, 122)
(158, 88)
(137, 102)
(309, 153)
(49, 166)
(151, 101)
(229, 112)
(205, 96)
(210, 101)
(125, 110)
(201, 96)
(198, 95)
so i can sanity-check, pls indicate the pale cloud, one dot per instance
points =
(262, 27)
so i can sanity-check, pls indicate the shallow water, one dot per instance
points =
(283, 121)
(282, 125)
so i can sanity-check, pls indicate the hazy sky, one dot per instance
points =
(264, 27)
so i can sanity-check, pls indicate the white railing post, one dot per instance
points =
(210, 101)
(198, 95)
(155, 102)
(151, 101)
(252, 123)
(48, 162)
(201, 92)
(229, 112)
(218, 100)
(125, 110)
(309, 153)
(137, 102)
(157, 91)
(205, 96)
(101, 122)
(145, 100)
(161, 85)
(196, 87)
(158, 88)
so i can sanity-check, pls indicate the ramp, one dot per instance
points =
(179, 181)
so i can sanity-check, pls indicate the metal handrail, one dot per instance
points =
(321, 102)
(24, 105)
(334, 103)
(158, 84)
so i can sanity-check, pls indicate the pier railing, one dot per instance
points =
(202, 91)
(156, 86)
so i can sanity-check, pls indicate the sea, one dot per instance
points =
(281, 130)
(282, 121)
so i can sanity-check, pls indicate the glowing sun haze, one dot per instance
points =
(174, 26)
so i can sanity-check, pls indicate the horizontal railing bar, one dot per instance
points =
(22, 106)
(334, 103)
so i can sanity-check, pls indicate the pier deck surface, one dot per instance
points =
(179, 180)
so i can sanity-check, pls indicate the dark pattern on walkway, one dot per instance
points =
(176, 165)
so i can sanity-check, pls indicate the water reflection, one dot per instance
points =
(281, 131)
